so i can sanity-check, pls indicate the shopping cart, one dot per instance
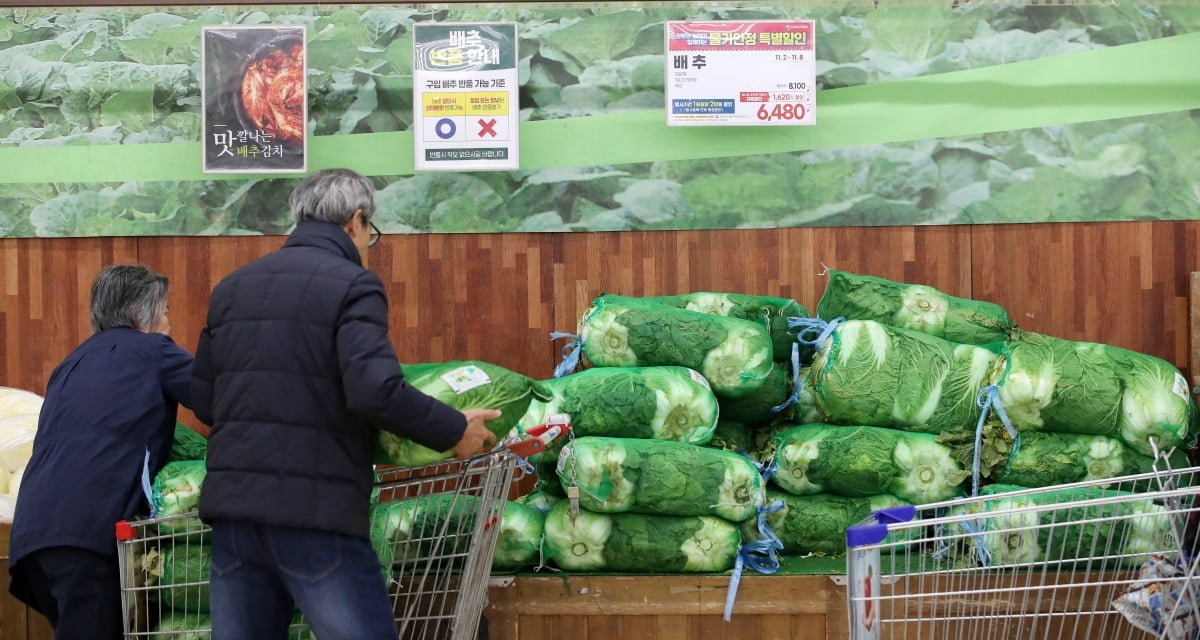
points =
(435, 529)
(1054, 562)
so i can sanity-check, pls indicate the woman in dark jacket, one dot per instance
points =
(108, 418)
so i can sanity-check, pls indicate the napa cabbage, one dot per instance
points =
(1062, 386)
(1060, 527)
(733, 355)
(416, 529)
(867, 373)
(865, 461)
(664, 403)
(772, 313)
(175, 490)
(462, 385)
(660, 477)
(639, 543)
(912, 306)
(816, 524)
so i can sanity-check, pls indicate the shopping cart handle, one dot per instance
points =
(125, 531)
(541, 435)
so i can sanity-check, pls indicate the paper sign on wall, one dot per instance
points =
(465, 96)
(255, 96)
(741, 73)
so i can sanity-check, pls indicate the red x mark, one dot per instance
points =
(487, 127)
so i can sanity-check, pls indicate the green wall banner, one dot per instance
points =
(928, 115)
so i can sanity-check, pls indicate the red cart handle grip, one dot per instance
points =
(541, 435)
(125, 531)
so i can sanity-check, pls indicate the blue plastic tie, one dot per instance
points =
(941, 546)
(734, 581)
(570, 353)
(988, 398)
(982, 553)
(759, 555)
(146, 484)
(764, 530)
(765, 470)
(809, 326)
(526, 467)
(795, 397)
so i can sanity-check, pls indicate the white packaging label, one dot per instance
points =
(463, 379)
(699, 378)
(1181, 386)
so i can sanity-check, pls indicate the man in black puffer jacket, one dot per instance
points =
(292, 371)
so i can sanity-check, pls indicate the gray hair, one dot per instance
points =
(127, 295)
(333, 195)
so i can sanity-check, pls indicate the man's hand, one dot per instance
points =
(477, 438)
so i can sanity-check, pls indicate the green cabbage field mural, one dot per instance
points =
(925, 115)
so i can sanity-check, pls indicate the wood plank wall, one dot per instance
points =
(497, 297)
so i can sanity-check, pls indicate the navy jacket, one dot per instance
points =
(112, 400)
(293, 370)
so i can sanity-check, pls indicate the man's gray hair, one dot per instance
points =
(127, 295)
(333, 195)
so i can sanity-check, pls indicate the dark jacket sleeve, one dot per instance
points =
(176, 373)
(372, 380)
(202, 380)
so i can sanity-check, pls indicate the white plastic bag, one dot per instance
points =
(18, 401)
(16, 440)
(16, 447)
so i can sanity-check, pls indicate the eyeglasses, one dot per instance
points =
(375, 234)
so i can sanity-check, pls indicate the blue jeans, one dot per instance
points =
(260, 573)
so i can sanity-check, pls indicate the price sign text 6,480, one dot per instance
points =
(785, 111)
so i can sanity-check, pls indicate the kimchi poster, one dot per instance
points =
(255, 99)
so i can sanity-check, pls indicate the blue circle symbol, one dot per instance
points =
(445, 128)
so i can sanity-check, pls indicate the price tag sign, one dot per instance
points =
(741, 73)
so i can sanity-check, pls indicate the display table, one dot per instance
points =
(581, 607)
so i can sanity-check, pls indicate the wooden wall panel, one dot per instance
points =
(195, 265)
(44, 289)
(498, 297)
(472, 296)
(777, 262)
(1124, 284)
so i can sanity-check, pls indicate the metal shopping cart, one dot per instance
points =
(435, 529)
(1069, 561)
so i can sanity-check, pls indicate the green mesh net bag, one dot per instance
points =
(865, 461)
(816, 523)
(663, 403)
(1063, 386)
(463, 385)
(734, 355)
(867, 373)
(1016, 529)
(910, 306)
(772, 313)
(617, 475)
(639, 543)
